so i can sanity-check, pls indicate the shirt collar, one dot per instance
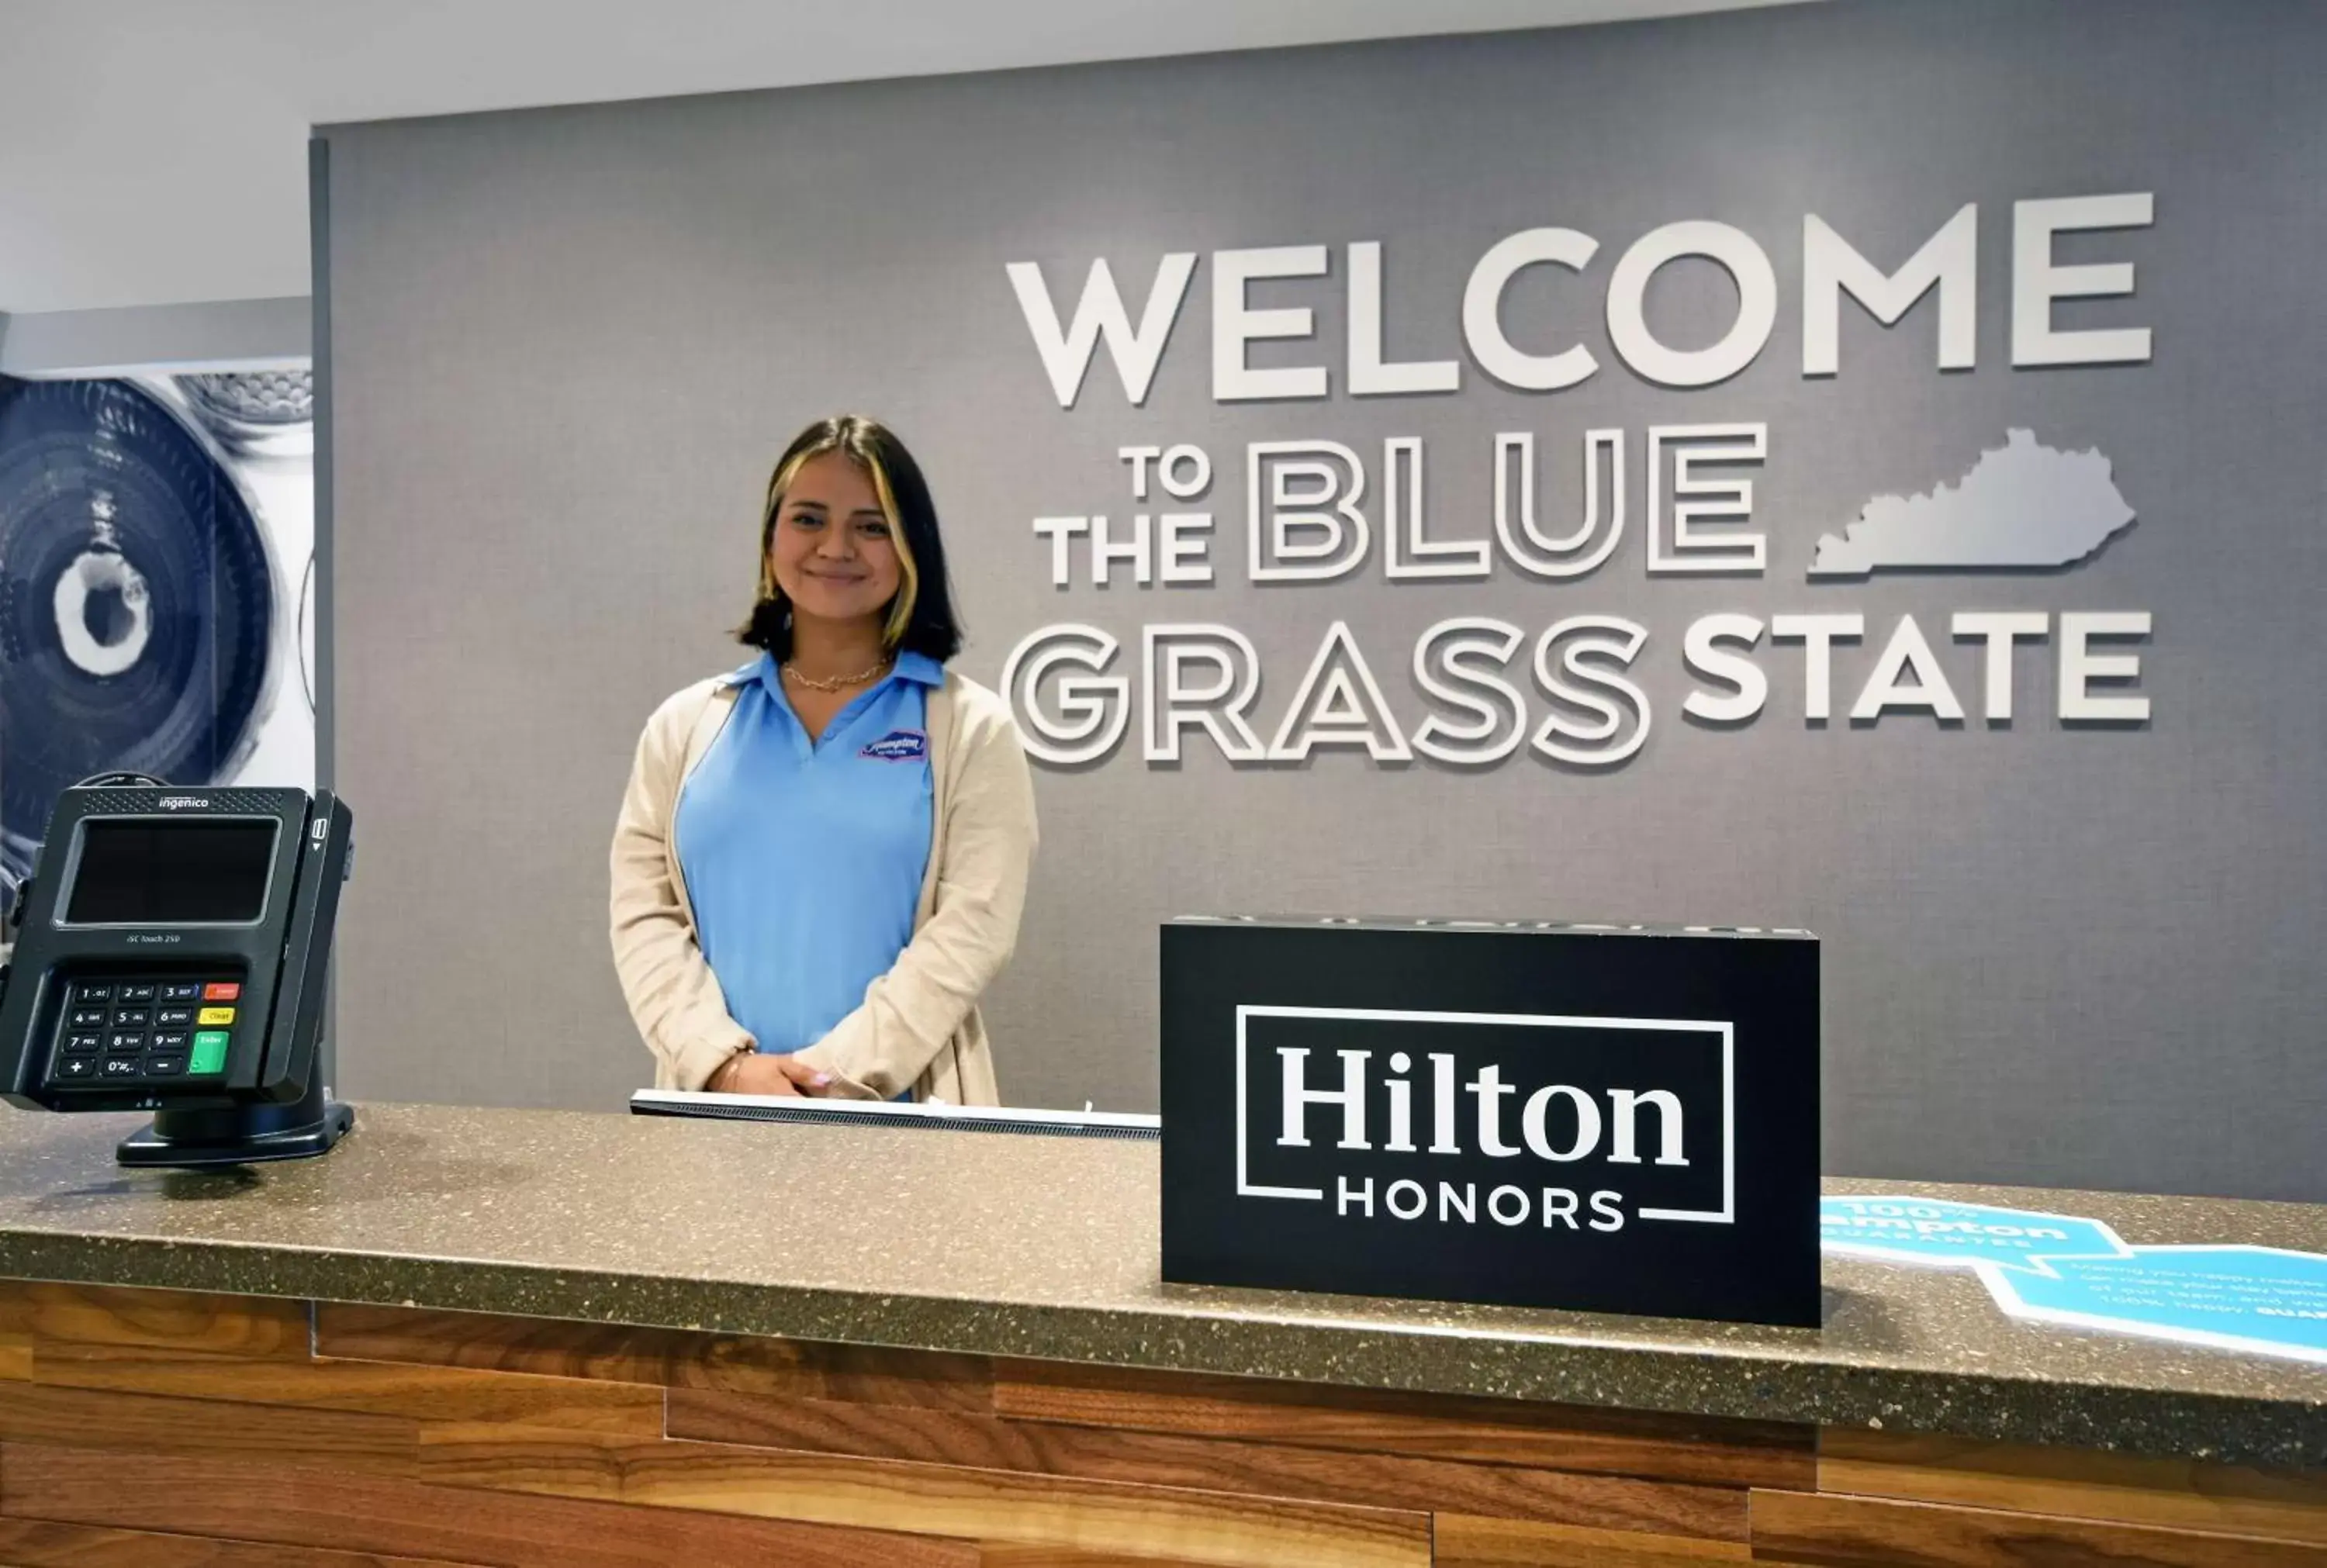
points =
(761, 670)
(918, 667)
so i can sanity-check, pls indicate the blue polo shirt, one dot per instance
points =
(804, 858)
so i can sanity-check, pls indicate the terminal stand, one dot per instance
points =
(244, 1136)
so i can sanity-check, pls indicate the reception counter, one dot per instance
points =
(515, 1336)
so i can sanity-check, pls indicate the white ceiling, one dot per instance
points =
(153, 152)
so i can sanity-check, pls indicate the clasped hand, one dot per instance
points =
(757, 1073)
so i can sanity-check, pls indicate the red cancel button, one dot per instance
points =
(222, 990)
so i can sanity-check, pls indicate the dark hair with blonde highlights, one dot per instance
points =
(920, 617)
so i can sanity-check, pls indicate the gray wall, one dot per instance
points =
(102, 342)
(567, 345)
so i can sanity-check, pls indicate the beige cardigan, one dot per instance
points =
(919, 1024)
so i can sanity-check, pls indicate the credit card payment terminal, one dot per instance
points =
(171, 956)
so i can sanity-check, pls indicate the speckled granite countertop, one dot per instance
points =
(1047, 1247)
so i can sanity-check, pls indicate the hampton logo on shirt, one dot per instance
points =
(898, 746)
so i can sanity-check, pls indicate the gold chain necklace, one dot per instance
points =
(838, 683)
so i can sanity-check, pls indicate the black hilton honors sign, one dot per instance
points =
(1606, 1118)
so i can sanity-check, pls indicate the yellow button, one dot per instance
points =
(209, 1015)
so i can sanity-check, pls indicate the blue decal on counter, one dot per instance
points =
(1899, 1227)
(2257, 1299)
(2078, 1273)
(898, 746)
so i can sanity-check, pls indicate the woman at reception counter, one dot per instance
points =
(822, 856)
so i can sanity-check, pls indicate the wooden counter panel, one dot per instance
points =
(1006, 1555)
(420, 1392)
(1466, 1541)
(1207, 1464)
(2182, 1493)
(1859, 1532)
(45, 1543)
(178, 1431)
(231, 1327)
(392, 1516)
(148, 1424)
(1490, 1431)
(989, 1505)
(489, 1341)
(661, 1358)
(1736, 1453)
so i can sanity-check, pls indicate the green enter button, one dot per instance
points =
(209, 1053)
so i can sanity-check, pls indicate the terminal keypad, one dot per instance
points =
(155, 1031)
